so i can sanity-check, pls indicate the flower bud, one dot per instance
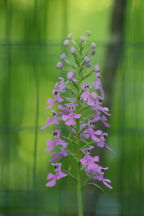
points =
(72, 50)
(96, 68)
(70, 76)
(88, 65)
(93, 45)
(69, 37)
(59, 65)
(82, 39)
(93, 52)
(88, 33)
(66, 42)
(86, 59)
(63, 57)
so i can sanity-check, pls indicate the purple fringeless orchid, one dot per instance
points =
(79, 109)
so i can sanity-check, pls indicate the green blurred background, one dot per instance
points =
(31, 35)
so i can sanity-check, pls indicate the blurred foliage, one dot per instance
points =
(30, 44)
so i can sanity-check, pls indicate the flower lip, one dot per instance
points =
(87, 150)
(91, 123)
(85, 86)
(57, 166)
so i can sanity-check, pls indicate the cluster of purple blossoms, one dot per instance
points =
(79, 107)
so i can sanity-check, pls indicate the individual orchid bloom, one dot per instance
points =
(101, 143)
(69, 119)
(58, 99)
(98, 85)
(89, 132)
(59, 174)
(70, 76)
(58, 141)
(88, 160)
(50, 121)
(88, 97)
(60, 86)
(99, 177)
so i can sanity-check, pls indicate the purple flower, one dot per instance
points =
(59, 65)
(99, 177)
(87, 96)
(69, 119)
(90, 161)
(66, 42)
(60, 86)
(58, 99)
(72, 50)
(98, 85)
(50, 121)
(63, 57)
(70, 76)
(59, 174)
(58, 141)
(101, 143)
(89, 132)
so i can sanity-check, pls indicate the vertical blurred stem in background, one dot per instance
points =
(115, 48)
(113, 56)
(6, 94)
(35, 68)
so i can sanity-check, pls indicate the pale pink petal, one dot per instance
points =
(50, 176)
(94, 138)
(51, 183)
(65, 117)
(98, 132)
(77, 116)
(70, 122)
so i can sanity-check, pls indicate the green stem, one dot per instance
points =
(79, 187)
(79, 192)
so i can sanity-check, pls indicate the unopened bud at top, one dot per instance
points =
(88, 33)
(69, 37)
(93, 45)
(63, 57)
(59, 65)
(66, 42)
(72, 50)
(82, 39)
